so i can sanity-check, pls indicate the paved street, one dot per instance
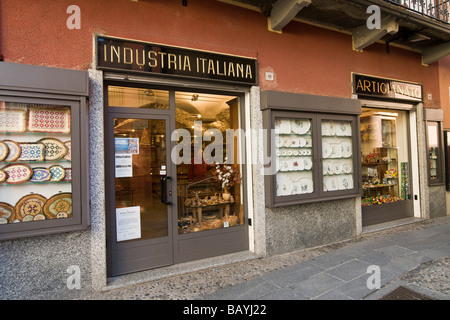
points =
(416, 256)
(343, 274)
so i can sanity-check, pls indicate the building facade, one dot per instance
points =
(146, 135)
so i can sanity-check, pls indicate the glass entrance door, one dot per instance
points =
(140, 223)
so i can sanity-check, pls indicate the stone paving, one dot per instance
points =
(415, 255)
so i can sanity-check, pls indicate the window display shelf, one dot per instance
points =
(327, 156)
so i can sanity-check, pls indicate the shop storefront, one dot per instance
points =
(389, 144)
(176, 184)
(139, 148)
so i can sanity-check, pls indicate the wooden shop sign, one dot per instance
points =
(386, 88)
(148, 58)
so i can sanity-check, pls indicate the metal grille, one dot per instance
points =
(436, 9)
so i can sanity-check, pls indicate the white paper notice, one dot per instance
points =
(124, 165)
(128, 223)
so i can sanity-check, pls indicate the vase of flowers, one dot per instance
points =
(227, 175)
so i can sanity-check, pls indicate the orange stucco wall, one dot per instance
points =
(304, 58)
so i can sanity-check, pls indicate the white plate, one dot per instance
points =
(301, 142)
(286, 165)
(346, 168)
(298, 165)
(337, 167)
(331, 183)
(326, 149)
(328, 128)
(279, 141)
(300, 126)
(295, 142)
(308, 143)
(337, 150)
(329, 168)
(287, 142)
(296, 187)
(343, 128)
(346, 148)
(284, 185)
(306, 185)
(283, 125)
(345, 182)
(308, 163)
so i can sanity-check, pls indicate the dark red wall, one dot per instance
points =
(304, 58)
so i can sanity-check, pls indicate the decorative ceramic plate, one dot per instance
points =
(328, 128)
(347, 168)
(279, 141)
(307, 163)
(337, 150)
(68, 174)
(337, 167)
(329, 167)
(286, 165)
(284, 185)
(346, 148)
(287, 142)
(58, 173)
(3, 175)
(13, 120)
(307, 185)
(54, 149)
(298, 165)
(283, 126)
(17, 173)
(345, 182)
(326, 149)
(40, 175)
(59, 206)
(3, 150)
(296, 187)
(30, 205)
(68, 155)
(300, 126)
(343, 128)
(301, 142)
(31, 151)
(49, 119)
(331, 183)
(14, 150)
(7, 212)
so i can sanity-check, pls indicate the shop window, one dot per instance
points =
(209, 179)
(43, 152)
(312, 150)
(39, 172)
(434, 152)
(133, 97)
(385, 157)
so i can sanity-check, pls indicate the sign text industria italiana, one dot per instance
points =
(387, 88)
(134, 56)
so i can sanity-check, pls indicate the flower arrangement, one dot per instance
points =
(226, 175)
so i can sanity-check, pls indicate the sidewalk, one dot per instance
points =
(416, 256)
(414, 259)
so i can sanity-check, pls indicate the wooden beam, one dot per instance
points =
(283, 11)
(364, 37)
(435, 53)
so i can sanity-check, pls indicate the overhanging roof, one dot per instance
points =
(400, 26)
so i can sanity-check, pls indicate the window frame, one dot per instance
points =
(58, 87)
(318, 108)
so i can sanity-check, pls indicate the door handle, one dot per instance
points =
(164, 189)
